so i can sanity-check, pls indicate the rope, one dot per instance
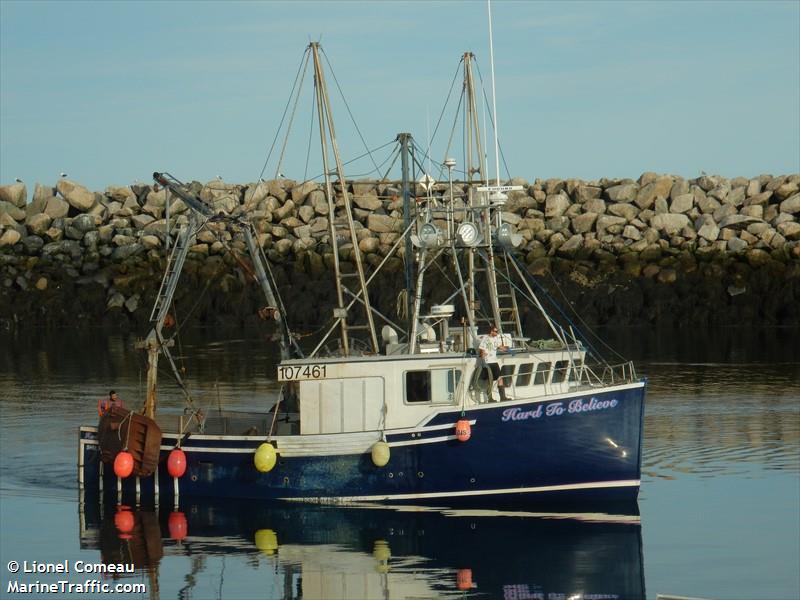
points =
(128, 417)
(402, 305)
(275, 413)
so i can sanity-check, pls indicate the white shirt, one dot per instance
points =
(489, 345)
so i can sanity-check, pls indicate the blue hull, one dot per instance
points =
(576, 447)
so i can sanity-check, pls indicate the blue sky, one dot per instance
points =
(111, 91)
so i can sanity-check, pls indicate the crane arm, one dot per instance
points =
(289, 348)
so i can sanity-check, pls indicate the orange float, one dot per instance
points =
(176, 463)
(464, 579)
(177, 525)
(123, 464)
(463, 430)
(124, 521)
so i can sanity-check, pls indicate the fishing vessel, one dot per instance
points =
(400, 410)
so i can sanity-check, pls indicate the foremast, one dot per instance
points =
(345, 231)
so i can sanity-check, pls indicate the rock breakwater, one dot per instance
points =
(658, 250)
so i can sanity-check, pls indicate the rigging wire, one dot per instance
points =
(424, 157)
(558, 307)
(347, 106)
(352, 160)
(285, 110)
(446, 102)
(394, 153)
(310, 137)
(397, 152)
(491, 120)
(453, 130)
(578, 316)
(291, 118)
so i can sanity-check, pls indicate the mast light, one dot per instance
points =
(468, 234)
(429, 236)
(508, 237)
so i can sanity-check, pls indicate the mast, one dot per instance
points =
(494, 97)
(328, 134)
(404, 139)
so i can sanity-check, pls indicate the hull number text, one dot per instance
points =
(302, 372)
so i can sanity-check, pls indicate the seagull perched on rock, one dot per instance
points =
(63, 174)
(219, 177)
(18, 180)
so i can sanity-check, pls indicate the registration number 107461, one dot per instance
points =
(292, 373)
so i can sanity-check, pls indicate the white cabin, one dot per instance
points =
(346, 395)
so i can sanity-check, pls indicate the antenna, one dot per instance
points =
(494, 97)
(428, 133)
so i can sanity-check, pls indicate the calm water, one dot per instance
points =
(718, 514)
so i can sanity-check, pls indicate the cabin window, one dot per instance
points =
(542, 373)
(506, 373)
(434, 385)
(560, 372)
(574, 374)
(524, 374)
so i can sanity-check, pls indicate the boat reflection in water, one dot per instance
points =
(375, 552)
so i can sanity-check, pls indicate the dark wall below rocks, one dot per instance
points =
(717, 293)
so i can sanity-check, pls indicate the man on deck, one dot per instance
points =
(487, 349)
(105, 404)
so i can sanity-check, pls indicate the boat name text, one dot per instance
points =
(556, 409)
(302, 372)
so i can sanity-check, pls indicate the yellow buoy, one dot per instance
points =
(267, 541)
(265, 457)
(380, 454)
(382, 554)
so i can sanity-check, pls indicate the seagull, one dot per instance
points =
(18, 180)
(262, 180)
(280, 175)
(63, 174)
(219, 177)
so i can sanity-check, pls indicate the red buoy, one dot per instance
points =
(123, 464)
(123, 521)
(177, 525)
(464, 579)
(176, 463)
(463, 430)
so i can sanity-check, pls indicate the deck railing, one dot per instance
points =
(612, 374)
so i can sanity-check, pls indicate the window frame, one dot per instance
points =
(525, 374)
(545, 373)
(560, 371)
(453, 379)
